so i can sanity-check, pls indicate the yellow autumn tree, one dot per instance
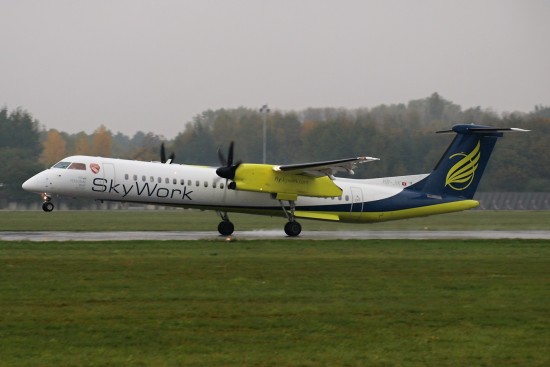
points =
(81, 145)
(102, 142)
(54, 148)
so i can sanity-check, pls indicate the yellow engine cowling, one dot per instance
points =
(262, 178)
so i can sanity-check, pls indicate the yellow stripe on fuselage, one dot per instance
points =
(370, 217)
(456, 206)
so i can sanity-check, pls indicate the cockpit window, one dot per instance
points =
(80, 166)
(62, 165)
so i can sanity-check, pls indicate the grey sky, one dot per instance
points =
(153, 65)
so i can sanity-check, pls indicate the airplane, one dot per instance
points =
(307, 190)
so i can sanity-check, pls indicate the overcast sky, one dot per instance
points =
(153, 65)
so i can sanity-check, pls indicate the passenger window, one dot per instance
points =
(347, 197)
(189, 183)
(175, 181)
(221, 185)
(135, 177)
(62, 165)
(167, 180)
(152, 179)
(182, 182)
(214, 184)
(143, 178)
(160, 180)
(197, 183)
(205, 184)
(126, 177)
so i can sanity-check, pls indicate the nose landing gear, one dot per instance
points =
(47, 204)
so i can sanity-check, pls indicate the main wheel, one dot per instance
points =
(293, 229)
(226, 228)
(47, 206)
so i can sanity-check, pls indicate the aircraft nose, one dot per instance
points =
(29, 185)
(34, 184)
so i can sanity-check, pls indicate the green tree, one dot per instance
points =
(20, 151)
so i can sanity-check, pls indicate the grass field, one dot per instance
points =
(186, 220)
(275, 303)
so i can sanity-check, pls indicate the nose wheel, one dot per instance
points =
(47, 205)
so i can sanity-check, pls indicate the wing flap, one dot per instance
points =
(316, 215)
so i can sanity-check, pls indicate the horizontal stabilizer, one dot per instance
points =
(475, 129)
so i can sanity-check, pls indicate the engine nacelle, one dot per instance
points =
(262, 178)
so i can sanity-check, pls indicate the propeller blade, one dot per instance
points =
(171, 158)
(230, 153)
(162, 153)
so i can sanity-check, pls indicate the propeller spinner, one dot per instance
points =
(228, 169)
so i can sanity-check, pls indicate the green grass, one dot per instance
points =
(275, 303)
(186, 220)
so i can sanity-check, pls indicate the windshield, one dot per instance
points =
(70, 165)
(62, 165)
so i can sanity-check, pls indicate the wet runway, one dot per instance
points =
(268, 234)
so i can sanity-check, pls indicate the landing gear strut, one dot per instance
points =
(47, 204)
(292, 228)
(225, 227)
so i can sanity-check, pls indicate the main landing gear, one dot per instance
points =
(47, 204)
(292, 228)
(225, 227)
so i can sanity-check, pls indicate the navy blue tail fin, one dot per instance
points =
(460, 169)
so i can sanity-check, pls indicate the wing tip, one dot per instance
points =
(367, 159)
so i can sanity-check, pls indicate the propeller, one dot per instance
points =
(227, 170)
(163, 155)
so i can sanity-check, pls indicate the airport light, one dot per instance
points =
(264, 110)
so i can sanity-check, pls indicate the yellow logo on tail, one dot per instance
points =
(461, 175)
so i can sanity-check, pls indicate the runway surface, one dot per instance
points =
(268, 234)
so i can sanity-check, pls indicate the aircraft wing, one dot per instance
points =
(326, 168)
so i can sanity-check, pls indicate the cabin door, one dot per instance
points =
(356, 202)
(109, 172)
(109, 175)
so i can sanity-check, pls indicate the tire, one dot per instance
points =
(47, 206)
(293, 229)
(226, 228)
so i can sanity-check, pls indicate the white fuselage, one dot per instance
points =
(190, 186)
(187, 186)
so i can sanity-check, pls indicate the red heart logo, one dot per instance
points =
(94, 167)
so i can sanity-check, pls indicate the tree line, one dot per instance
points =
(402, 135)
